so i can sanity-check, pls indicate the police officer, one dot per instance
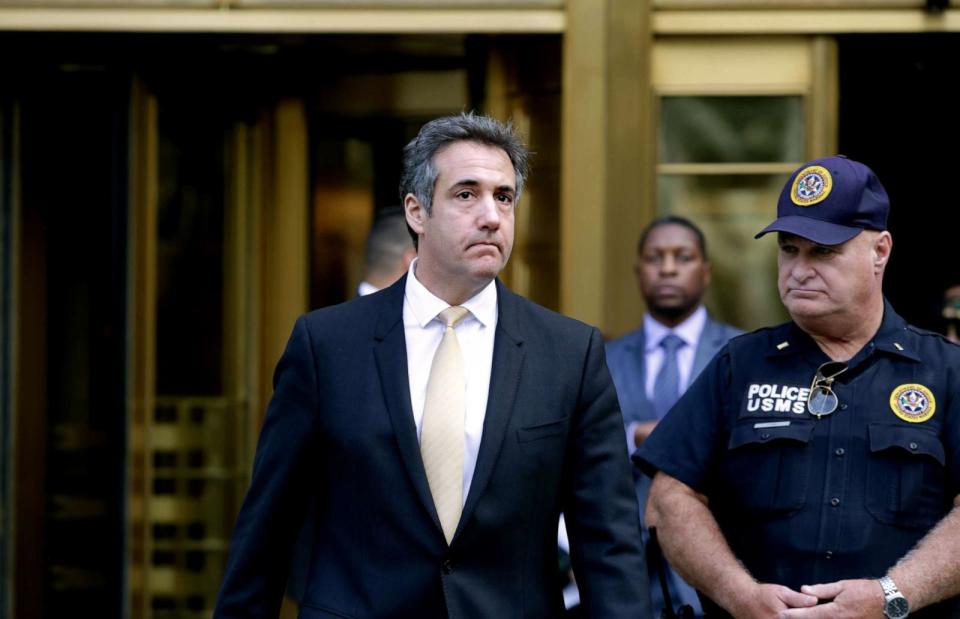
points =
(813, 468)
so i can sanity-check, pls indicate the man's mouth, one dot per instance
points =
(667, 291)
(486, 244)
(804, 292)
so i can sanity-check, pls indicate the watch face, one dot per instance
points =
(897, 608)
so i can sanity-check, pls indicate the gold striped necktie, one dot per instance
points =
(442, 431)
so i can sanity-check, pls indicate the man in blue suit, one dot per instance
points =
(441, 425)
(653, 365)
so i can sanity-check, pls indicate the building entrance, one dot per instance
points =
(898, 102)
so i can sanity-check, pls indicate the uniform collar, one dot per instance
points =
(892, 337)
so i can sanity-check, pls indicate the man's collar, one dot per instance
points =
(366, 288)
(892, 337)
(689, 330)
(426, 306)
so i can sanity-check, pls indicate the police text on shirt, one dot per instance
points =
(767, 398)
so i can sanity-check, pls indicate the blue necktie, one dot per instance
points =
(666, 387)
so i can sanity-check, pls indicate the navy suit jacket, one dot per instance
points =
(626, 357)
(339, 431)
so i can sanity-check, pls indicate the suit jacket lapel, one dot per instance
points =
(711, 340)
(638, 378)
(390, 351)
(508, 356)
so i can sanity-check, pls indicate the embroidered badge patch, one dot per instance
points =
(812, 185)
(771, 398)
(912, 402)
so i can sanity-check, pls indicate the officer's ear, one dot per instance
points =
(882, 246)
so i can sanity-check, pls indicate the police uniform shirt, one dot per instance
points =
(803, 500)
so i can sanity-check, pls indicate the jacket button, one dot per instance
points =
(446, 566)
(914, 446)
(764, 436)
(840, 451)
(834, 501)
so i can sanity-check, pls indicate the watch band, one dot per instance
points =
(889, 587)
(895, 605)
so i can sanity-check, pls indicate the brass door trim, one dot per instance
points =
(789, 4)
(725, 169)
(301, 20)
(828, 21)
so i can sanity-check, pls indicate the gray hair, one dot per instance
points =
(419, 172)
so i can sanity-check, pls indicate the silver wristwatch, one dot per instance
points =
(895, 606)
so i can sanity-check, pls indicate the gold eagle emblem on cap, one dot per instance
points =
(811, 185)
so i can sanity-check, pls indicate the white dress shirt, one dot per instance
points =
(653, 333)
(475, 334)
(366, 288)
(689, 331)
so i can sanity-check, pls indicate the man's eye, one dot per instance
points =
(506, 198)
(464, 195)
(788, 249)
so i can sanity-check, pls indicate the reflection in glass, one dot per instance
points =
(731, 209)
(190, 253)
(731, 129)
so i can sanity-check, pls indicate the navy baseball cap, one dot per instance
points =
(831, 200)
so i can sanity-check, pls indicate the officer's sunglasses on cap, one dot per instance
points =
(822, 401)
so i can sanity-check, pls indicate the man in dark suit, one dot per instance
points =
(442, 425)
(653, 365)
(388, 255)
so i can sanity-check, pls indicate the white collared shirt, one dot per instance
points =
(689, 331)
(366, 288)
(475, 334)
(653, 333)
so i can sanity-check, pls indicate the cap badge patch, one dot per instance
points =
(812, 185)
(912, 402)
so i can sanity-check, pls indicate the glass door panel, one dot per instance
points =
(730, 129)
(730, 209)
(190, 449)
(734, 118)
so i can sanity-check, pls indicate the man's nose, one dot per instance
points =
(490, 213)
(801, 270)
(668, 265)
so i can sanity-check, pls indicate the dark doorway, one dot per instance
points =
(898, 101)
(70, 442)
(6, 349)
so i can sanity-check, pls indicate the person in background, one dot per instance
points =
(652, 366)
(951, 313)
(389, 251)
(813, 469)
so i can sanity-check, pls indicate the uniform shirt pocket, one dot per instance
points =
(767, 466)
(906, 476)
